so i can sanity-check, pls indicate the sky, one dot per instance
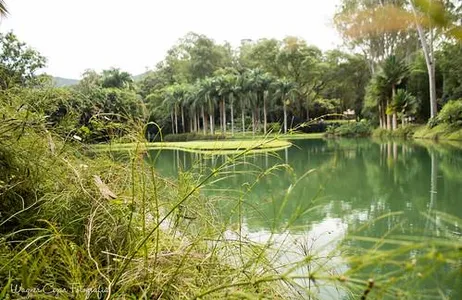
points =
(134, 35)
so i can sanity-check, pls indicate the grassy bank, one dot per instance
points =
(439, 132)
(280, 136)
(211, 147)
(184, 137)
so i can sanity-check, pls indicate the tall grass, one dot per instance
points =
(76, 224)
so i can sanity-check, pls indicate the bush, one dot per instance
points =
(432, 122)
(192, 136)
(354, 129)
(401, 132)
(451, 112)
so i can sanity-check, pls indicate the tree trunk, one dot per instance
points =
(182, 119)
(173, 122)
(204, 121)
(395, 121)
(380, 117)
(384, 116)
(264, 113)
(243, 118)
(211, 123)
(195, 121)
(224, 116)
(393, 95)
(257, 118)
(221, 115)
(388, 117)
(253, 121)
(285, 116)
(176, 119)
(232, 118)
(430, 62)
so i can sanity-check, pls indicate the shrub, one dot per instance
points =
(354, 129)
(432, 122)
(451, 112)
(184, 137)
(401, 132)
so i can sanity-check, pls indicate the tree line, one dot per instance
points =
(263, 85)
(201, 84)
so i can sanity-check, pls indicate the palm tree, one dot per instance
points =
(405, 103)
(283, 89)
(228, 87)
(115, 78)
(180, 97)
(251, 84)
(245, 96)
(3, 10)
(208, 90)
(377, 91)
(393, 72)
(200, 102)
(259, 83)
(169, 103)
(266, 84)
(222, 89)
(235, 89)
(191, 102)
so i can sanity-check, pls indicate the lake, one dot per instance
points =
(317, 194)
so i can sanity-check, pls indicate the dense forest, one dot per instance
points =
(264, 85)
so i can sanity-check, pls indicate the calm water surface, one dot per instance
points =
(317, 192)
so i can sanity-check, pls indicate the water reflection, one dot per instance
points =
(352, 182)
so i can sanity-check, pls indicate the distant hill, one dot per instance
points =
(140, 77)
(60, 81)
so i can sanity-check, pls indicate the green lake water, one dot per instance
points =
(313, 195)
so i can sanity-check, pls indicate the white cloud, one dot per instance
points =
(76, 35)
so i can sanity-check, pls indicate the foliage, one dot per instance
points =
(451, 113)
(353, 129)
(344, 77)
(439, 132)
(432, 122)
(451, 62)
(67, 218)
(18, 63)
(321, 107)
(114, 78)
(406, 131)
(405, 103)
(268, 80)
(383, 96)
(183, 137)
